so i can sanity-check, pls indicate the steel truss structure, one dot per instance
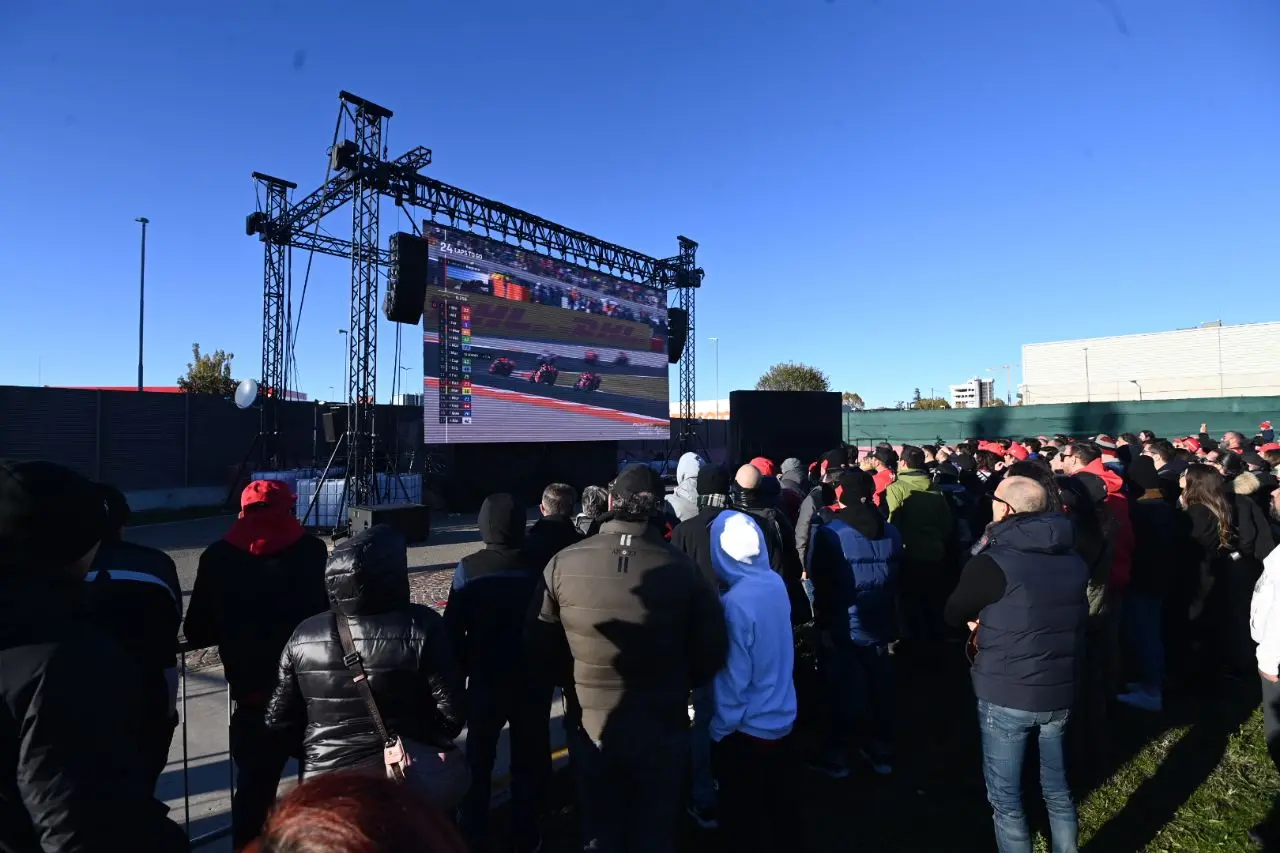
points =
(361, 176)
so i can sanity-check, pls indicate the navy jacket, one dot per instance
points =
(855, 571)
(1029, 638)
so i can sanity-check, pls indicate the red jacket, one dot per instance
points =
(1118, 503)
(882, 480)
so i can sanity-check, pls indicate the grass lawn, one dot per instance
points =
(1193, 779)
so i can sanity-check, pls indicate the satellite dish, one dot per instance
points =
(246, 393)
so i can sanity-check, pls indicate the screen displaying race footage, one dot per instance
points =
(521, 347)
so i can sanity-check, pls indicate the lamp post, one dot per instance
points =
(1135, 382)
(716, 341)
(142, 293)
(346, 389)
(1088, 398)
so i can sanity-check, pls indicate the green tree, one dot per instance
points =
(995, 403)
(851, 401)
(208, 373)
(791, 376)
(932, 403)
(915, 399)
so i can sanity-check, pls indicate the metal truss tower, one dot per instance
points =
(275, 270)
(362, 382)
(685, 278)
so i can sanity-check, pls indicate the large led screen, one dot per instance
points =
(520, 347)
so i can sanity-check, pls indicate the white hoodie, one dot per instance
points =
(1264, 615)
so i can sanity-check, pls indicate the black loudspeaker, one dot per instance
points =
(677, 333)
(334, 424)
(780, 424)
(412, 520)
(407, 279)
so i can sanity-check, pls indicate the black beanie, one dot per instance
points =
(713, 480)
(1142, 474)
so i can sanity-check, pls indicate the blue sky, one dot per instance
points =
(901, 192)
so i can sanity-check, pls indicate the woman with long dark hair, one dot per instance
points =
(1225, 577)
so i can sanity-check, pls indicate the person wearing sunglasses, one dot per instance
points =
(1024, 597)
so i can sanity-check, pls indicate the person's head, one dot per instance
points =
(1146, 436)
(930, 453)
(1048, 454)
(1160, 451)
(1275, 505)
(764, 465)
(1128, 438)
(1035, 469)
(1233, 440)
(595, 501)
(635, 493)
(1229, 464)
(349, 812)
(1272, 457)
(1034, 445)
(558, 499)
(1077, 456)
(1015, 452)
(1141, 476)
(52, 519)
(738, 548)
(1018, 496)
(912, 458)
(854, 487)
(985, 460)
(884, 459)
(713, 480)
(117, 512)
(267, 496)
(832, 460)
(369, 572)
(1202, 485)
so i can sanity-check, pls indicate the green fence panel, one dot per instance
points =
(1164, 417)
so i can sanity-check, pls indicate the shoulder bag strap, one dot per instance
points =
(356, 664)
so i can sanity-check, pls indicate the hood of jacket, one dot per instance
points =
(687, 476)
(738, 549)
(1112, 479)
(864, 519)
(1039, 533)
(369, 573)
(797, 480)
(501, 522)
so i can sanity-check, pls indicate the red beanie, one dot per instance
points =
(764, 466)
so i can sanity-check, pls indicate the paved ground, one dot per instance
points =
(202, 793)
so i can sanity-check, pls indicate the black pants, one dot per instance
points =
(629, 790)
(756, 807)
(260, 758)
(922, 595)
(528, 710)
(155, 748)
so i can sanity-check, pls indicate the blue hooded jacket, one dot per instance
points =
(754, 693)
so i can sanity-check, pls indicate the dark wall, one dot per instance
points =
(780, 424)
(525, 469)
(167, 441)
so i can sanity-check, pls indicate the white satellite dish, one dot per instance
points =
(246, 393)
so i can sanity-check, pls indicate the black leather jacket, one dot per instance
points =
(411, 667)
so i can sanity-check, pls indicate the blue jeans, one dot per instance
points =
(1005, 732)
(704, 783)
(1142, 623)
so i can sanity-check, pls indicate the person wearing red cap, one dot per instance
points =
(252, 589)
(1016, 453)
(764, 465)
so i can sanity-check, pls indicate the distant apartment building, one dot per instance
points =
(1211, 360)
(974, 394)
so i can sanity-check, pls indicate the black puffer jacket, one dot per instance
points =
(406, 653)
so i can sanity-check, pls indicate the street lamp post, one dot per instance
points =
(1088, 397)
(142, 293)
(1135, 382)
(716, 341)
(346, 362)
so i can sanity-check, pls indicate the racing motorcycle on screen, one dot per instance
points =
(546, 374)
(588, 382)
(502, 366)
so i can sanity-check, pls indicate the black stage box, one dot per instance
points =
(524, 469)
(412, 520)
(780, 424)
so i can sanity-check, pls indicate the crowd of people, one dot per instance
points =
(744, 629)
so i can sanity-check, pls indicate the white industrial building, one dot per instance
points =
(974, 394)
(1210, 361)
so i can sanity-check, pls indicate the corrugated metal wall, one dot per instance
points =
(1219, 361)
(1165, 417)
(166, 441)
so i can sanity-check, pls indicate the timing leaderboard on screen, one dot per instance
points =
(454, 327)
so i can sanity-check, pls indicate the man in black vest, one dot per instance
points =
(1023, 596)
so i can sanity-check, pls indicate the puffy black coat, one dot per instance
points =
(406, 653)
(73, 776)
